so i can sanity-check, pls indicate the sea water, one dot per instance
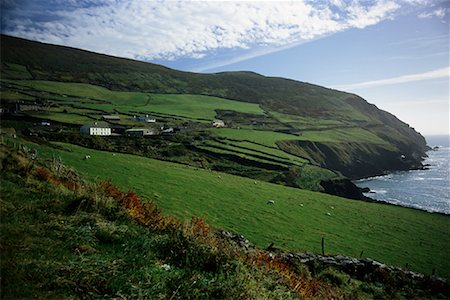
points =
(423, 189)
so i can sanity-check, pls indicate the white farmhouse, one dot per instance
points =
(218, 123)
(95, 129)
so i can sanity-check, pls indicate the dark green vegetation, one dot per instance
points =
(63, 238)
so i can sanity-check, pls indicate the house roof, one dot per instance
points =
(95, 126)
(112, 117)
(137, 129)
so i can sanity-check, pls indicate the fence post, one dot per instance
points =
(323, 246)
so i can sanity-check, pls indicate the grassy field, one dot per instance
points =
(55, 248)
(305, 122)
(250, 150)
(194, 107)
(297, 221)
(64, 117)
(268, 150)
(191, 106)
(269, 138)
(64, 237)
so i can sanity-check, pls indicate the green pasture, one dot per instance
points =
(297, 221)
(269, 138)
(183, 105)
(305, 122)
(245, 155)
(268, 150)
(233, 149)
(15, 96)
(64, 117)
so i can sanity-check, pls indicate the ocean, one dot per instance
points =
(422, 189)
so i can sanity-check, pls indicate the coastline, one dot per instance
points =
(391, 184)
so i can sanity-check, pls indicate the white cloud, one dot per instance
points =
(361, 17)
(172, 29)
(439, 13)
(435, 74)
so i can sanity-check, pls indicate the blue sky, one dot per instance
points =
(394, 53)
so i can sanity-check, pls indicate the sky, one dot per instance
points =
(393, 53)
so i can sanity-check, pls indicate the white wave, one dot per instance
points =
(380, 191)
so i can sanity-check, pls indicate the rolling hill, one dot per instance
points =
(295, 106)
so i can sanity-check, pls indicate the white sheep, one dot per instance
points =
(270, 202)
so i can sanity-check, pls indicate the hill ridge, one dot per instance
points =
(293, 103)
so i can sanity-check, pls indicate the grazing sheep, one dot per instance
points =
(328, 214)
(87, 157)
(270, 202)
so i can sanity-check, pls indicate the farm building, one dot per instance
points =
(168, 130)
(111, 118)
(27, 106)
(95, 129)
(146, 119)
(218, 123)
(140, 132)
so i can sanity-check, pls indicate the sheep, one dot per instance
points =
(270, 202)
(86, 157)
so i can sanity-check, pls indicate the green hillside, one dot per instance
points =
(297, 221)
(346, 134)
(22, 59)
(65, 237)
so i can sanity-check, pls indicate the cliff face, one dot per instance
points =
(355, 160)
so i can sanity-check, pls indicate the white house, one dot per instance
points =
(218, 123)
(145, 118)
(95, 129)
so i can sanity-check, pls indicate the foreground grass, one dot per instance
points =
(65, 238)
(297, 221)
(62, 238)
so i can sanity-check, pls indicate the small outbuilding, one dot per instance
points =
(146, 119)
(111, 118)
(95, 129)
(140, 132)
(218, 123)
(169, 130)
